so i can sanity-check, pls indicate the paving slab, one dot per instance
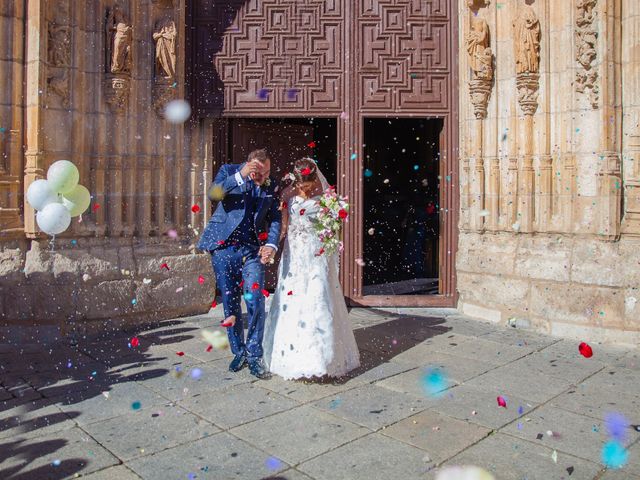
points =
(479, 405)
(33, 418)
(373, 406)
(304, 391)
(597, 402)
(220, 456)
(237, 405)
(299, 434)
(552, 365)
(120, 472)
(55, 456)
(413, 382)
(148, 431)
(571, 433)
(439, 435)
(510, 458)
(520, 338)
(487, 351)
(371, 457)
(622, 380)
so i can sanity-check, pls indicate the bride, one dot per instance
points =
(307, 330)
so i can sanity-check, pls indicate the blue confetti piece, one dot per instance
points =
(136, 405)
(191, 476)
(134, 301)
(520, 410)
(617, 426)
(196, 373)
(519, 426)
(595, 428)
(434, 381)
(335, 403)
(416, 167)
(354, 156)
(178, 368)
(69, 364)
(74, 242)
(614, 455)
(56, 463)
(94, 373)
(248, 296)
(273, 463)
(2, 129)
(368, 173)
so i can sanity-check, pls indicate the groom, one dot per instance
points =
(242, 236)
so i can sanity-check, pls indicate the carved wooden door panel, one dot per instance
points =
(284, 142)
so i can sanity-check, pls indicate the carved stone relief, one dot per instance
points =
(586, 36)
(118, 58)
(59, 85)
(164, 36)
(481, 62)
(526, 29)
(59, 46)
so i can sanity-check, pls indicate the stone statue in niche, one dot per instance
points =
(527, 41)
(59, 50)
(119, 38)
(480, 54)
(59, 85)
(165, 37)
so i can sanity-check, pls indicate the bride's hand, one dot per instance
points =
(266, 254)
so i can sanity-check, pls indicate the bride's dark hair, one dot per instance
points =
(305, 170)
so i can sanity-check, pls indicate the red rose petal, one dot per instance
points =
(302, 210)
(135, 342)
(195, 208)
(255, 286)
(311, 144)
(290, 292)
(209, 348)
(241, 284)
(305, 171)
(96, 206)
(164, 265)
(262, 236)
(220, 242)
(284, 205)
(585, 350)
(214, 304)
(180, 354)
(200, 279)
(502, 402)
(265, 293)
(320, 252)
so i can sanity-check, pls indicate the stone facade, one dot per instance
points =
(89, 93)
(549, 220)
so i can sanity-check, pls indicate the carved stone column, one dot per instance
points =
(527, 34)
(586, 37)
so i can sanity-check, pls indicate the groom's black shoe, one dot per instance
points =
(257, 369)
(238, 362)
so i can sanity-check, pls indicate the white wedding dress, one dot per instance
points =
(307, 330)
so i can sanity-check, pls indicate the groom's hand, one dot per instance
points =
(266, 254)
(250, 168)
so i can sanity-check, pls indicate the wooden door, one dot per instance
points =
(285, 143)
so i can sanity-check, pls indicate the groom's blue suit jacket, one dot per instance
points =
(231, 209)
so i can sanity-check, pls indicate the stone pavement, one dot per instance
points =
(106, 411)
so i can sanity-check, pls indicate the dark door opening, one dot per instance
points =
(401, 206)
(286, 140)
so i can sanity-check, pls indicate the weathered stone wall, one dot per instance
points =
(79, 103)
(549, 152)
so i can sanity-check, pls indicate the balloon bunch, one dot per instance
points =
(58, 198)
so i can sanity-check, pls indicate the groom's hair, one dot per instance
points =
(261, 155)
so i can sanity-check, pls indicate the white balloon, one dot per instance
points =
(177, 111)
(63, 176)
(39, 194)
(77, 200)
(53, 219)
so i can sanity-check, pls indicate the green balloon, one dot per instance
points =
(62, 176)
(77, 200)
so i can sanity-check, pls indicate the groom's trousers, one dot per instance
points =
(239, 272)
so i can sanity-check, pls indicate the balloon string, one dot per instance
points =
(52, 243)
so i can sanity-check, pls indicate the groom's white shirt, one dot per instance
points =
(240, 182)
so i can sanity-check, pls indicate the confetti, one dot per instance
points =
(96, 206)
(416, 167)
(86, 277)
(360, 262)
(273, 463)
(290, 292)
(164, 265)
(180, 354)
(195, 208)
(354, 156)
(146, 281)
(463, 473)
(135, 342)
(371, 231)
(134, 301)
(520, 410)
(554, 457)
(200, 279)
(501, 402)
(434, 381)
(484, 213)
(255, 286)
(136, 405)
(179, 289)
(214, 304)
(333, 404)
(368, 173)
(265, 293)
(617, 426)
(614, 455)
(56, 463)
(248, 296)
(172, 234)
(216, 339)
(209, 348)
(302, 210)
(262, 236)
(311, 144)
(585, 350)
(196, 373)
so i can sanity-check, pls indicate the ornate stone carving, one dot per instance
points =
(476, 4)
(586, 36)
(119, 35)
(526, 29)
(59, 47)
(481, 63)
(165, 37)
(163, 92)
(117, 92)
(59, 85)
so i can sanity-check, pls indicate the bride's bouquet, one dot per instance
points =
(334, 209)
